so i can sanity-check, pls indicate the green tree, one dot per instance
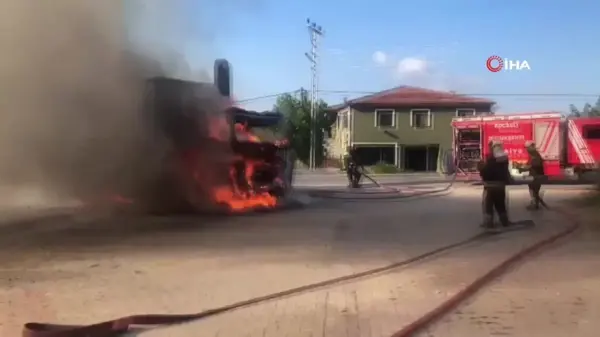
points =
(595, 110)
(298, 123)
(573, 111)
(587, 111)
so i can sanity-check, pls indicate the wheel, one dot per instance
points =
(579, 175)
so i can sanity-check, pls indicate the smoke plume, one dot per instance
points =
(72, 87)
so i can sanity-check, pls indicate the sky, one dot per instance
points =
(369, 46)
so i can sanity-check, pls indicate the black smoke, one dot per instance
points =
(73, 84)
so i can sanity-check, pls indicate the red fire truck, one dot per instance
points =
(570, 146)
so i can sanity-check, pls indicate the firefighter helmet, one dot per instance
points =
(495, 143)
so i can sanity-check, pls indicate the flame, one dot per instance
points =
(203, 178)
(233, 196)
(238, 202)
(243, 134)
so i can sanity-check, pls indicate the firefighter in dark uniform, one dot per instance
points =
(494, 171)
(535, 167)
(352, 164)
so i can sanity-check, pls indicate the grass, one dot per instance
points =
(384, 168)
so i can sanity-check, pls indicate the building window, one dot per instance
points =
(591, 132)
(385, 118)
(465, 112)
(420, 118)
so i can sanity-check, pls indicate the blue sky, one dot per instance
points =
(440, 44)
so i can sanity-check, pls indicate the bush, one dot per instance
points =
(384, 168)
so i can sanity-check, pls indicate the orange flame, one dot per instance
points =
(237, 202)
(232, 196)
(235, 198)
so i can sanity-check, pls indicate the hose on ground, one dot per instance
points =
(388, 194)
(471, 289)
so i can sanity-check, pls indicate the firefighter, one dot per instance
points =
(352, 164)
(494, 171)
(535, 167)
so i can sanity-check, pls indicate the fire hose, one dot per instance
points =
(117, 327)
(120, 326)
(392, 192)
(449, 305)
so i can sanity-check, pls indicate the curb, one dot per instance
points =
(383, 195)
(450, 304)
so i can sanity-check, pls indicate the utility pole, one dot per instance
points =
(315, 32)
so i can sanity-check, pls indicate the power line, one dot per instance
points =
(350, 92)
(257, 98)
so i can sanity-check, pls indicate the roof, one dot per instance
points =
(407, 95)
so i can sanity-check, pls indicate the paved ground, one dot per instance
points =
(557, 294)
(315, 179)
(90, 269)
(384, 191)
(335, 178)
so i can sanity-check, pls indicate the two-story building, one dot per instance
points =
(406, 126)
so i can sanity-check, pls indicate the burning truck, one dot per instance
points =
(210, 155)
(569, 146)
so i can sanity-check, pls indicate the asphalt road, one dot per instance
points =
(91, 269)
(318, 179)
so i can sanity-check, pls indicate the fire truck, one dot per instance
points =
(569, 146)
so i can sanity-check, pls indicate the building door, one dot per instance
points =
(372, 155)
(415, 158)
(433, 152)
(421, 158)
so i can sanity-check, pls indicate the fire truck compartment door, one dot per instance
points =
(546, 137)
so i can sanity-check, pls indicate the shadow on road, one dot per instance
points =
(329, 232)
